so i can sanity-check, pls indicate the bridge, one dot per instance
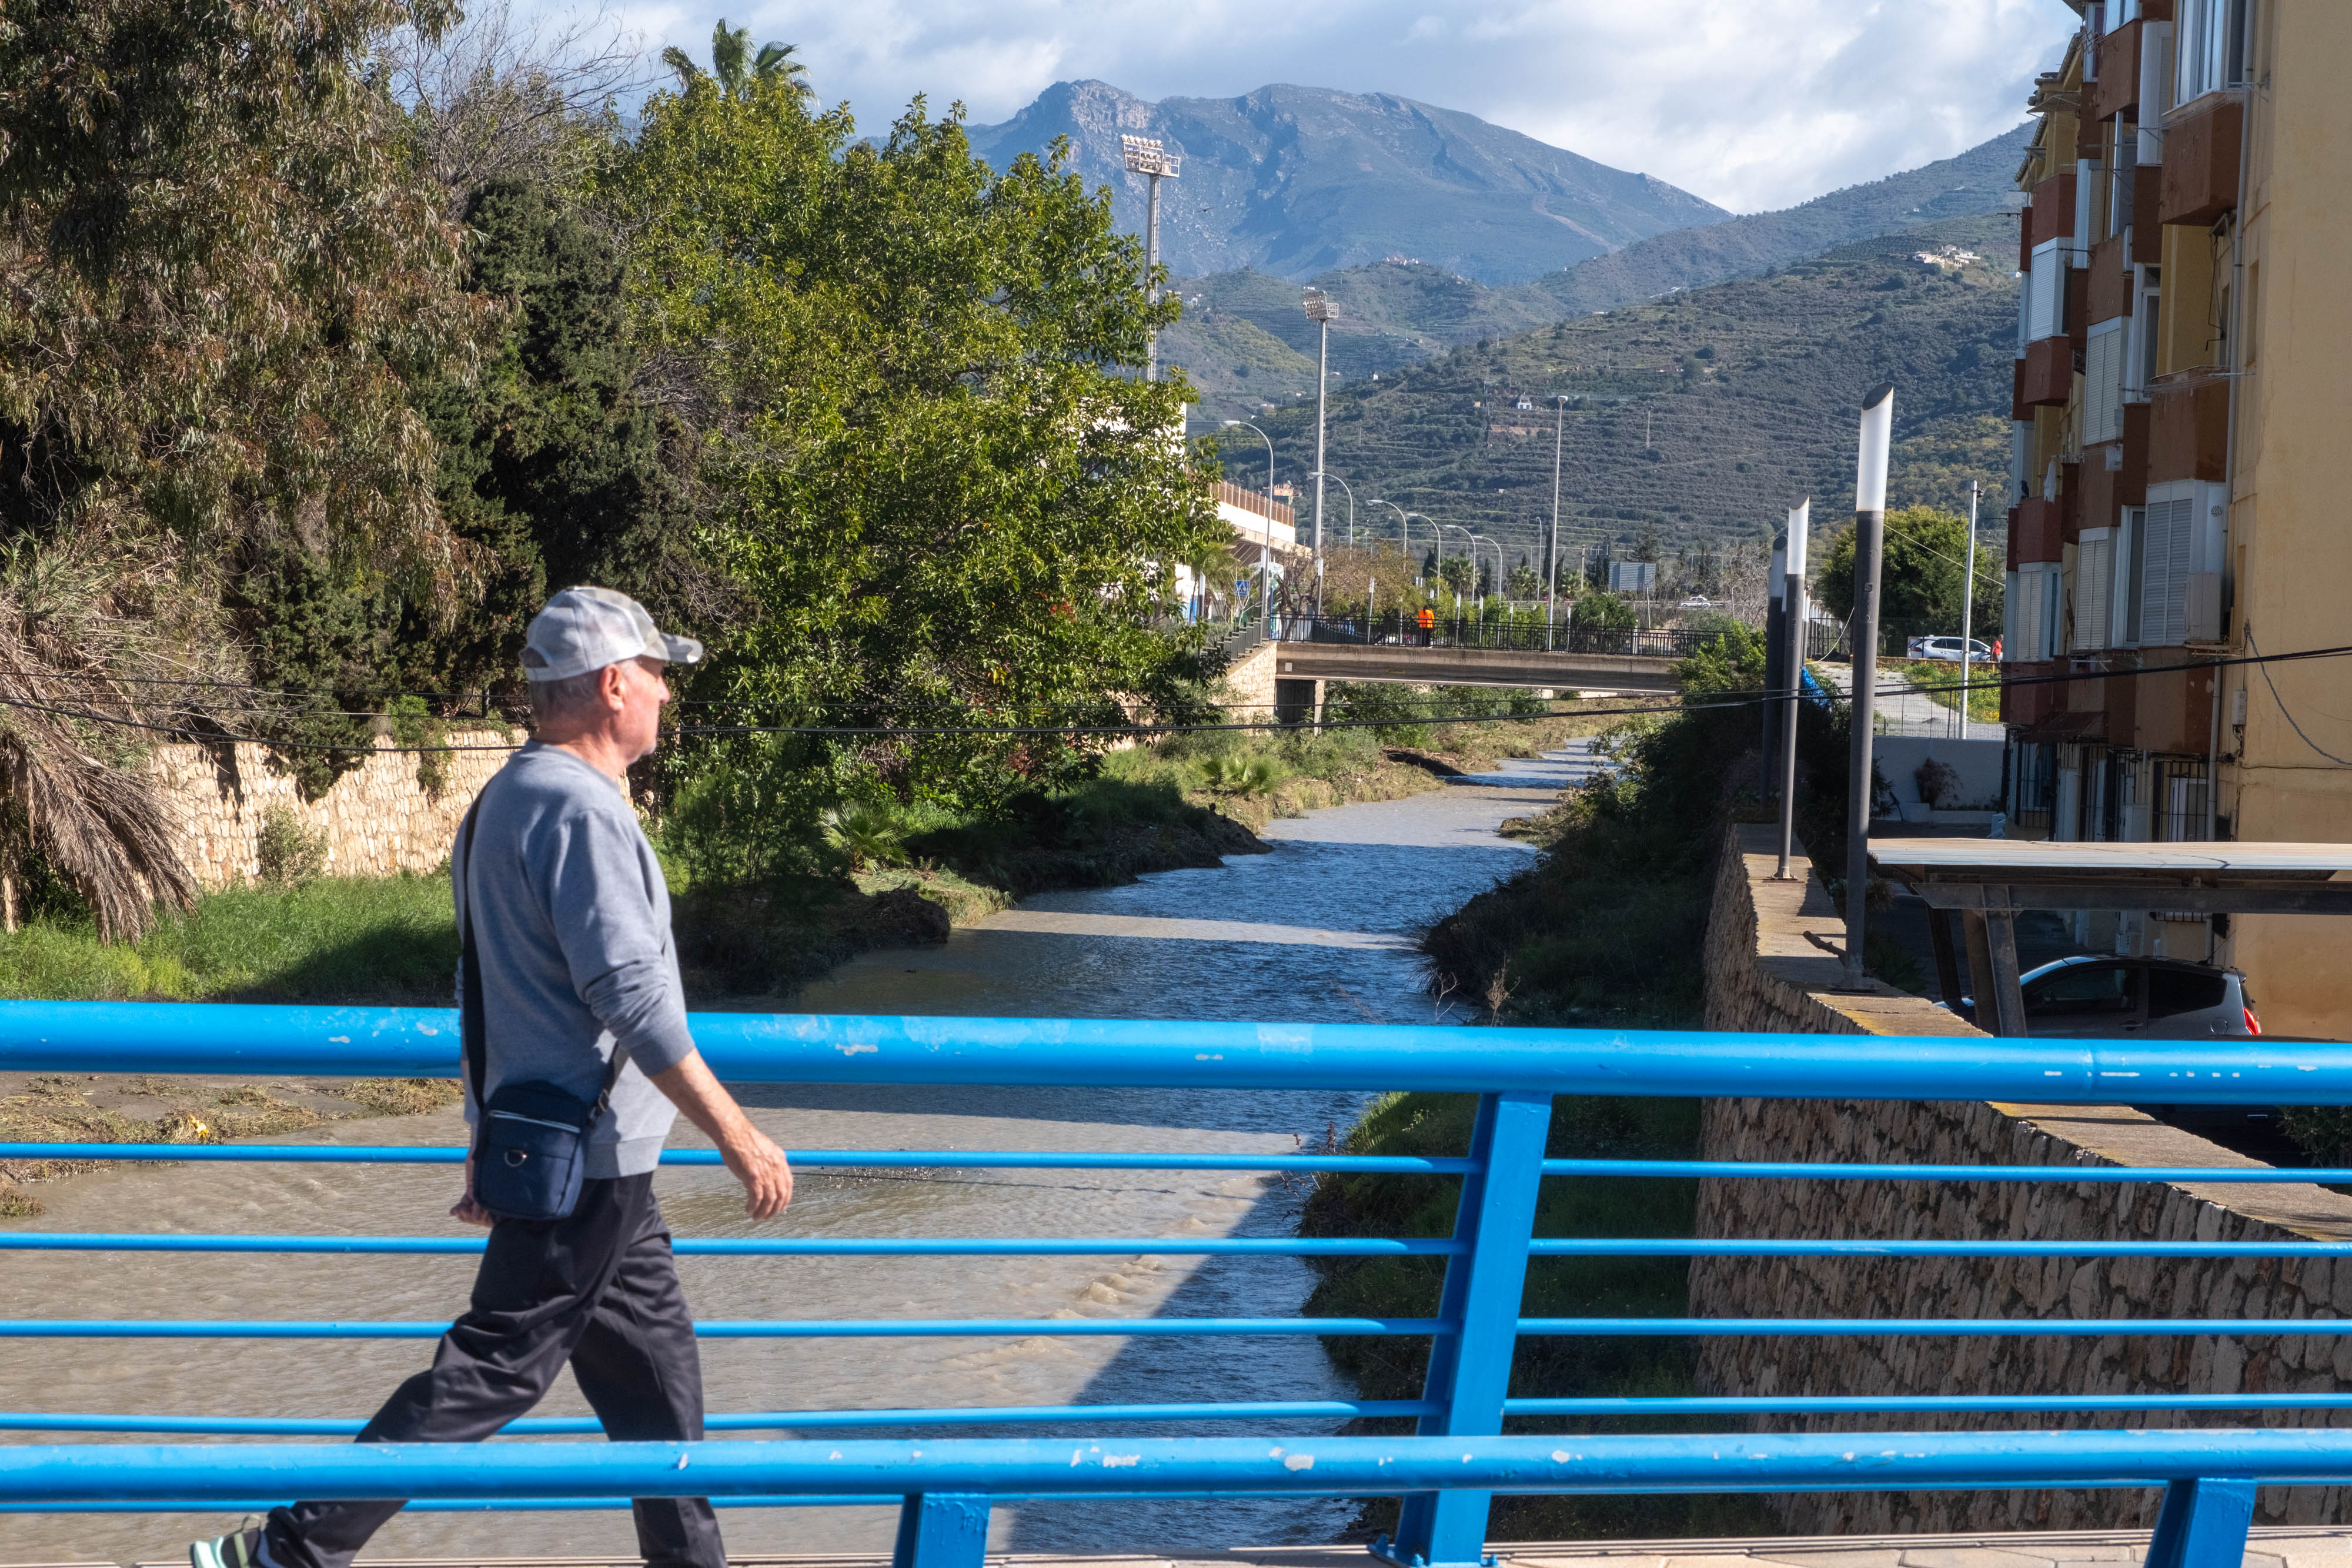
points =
(1472, 1438)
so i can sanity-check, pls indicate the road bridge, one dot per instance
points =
(1471, 667)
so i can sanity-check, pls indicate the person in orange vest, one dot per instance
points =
(1428, 627)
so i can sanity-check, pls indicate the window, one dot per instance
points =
(2164, 564)
(2140, 354)
(2038, 605)
(2080, 989)
(2102, 381)
(2131, 571)
(2045, 291)
(2210, 46)
(2032, 785)
(2094, 584)
(2171, 992)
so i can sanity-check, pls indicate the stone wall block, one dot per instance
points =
(1756, 941)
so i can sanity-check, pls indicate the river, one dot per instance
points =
(1317, 931)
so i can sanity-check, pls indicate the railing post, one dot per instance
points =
(2203, 1524)
(1470, 1368)
(941, 1530)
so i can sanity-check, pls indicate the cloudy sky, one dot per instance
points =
(1753, 104)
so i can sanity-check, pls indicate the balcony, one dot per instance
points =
(2118, 87)
(2047, 380)
(2188, 427)
(2052, 216)
(2201, 162)
(2039, 532)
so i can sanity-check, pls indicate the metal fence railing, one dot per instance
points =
(1445, 1472)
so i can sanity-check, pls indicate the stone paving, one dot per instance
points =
(2284, 1546)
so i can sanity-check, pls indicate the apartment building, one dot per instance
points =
(2181, 460)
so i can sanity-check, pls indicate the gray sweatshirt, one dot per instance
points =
(571, 925)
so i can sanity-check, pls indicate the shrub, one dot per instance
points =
(290, 854)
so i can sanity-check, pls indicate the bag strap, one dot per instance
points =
(472, 1027)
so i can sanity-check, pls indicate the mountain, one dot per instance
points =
(1694, 419)
(1398, 314)
(1296, 180)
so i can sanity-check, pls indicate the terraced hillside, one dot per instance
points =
(1397, 313)
(1697, 417)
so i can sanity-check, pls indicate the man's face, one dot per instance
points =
(637, 727)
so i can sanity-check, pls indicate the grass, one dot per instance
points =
(1984, 700)
(1541, 1367)
(387, 939)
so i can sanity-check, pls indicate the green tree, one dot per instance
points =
(941, 488)
(1922, 577)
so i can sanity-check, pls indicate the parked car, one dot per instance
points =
(2095, 998)
(1946, 648)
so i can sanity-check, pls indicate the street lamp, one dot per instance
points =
(1265, 579)
(1466, 534)
(1551, 555)
(1499, 586)
(1403, 522)
(1320, 310)
(1351, 503)
(1145, 155)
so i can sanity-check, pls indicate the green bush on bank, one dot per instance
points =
(1542, 1367)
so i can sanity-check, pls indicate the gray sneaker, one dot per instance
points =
(239, 1549)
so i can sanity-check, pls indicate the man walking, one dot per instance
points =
(569, 969)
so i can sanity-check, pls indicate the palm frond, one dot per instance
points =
(678, 60)
(728, 48)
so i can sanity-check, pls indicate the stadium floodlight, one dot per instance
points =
(1145, 155)
(1320, 306)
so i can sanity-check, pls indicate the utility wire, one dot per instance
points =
(1715, 701)
(2283, 713)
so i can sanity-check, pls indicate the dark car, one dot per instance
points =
(2094, 998)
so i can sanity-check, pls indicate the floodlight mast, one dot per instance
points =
(1145, 155)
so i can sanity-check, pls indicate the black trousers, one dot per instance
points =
(600, 1290)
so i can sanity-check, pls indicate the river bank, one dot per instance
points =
(1318, 928)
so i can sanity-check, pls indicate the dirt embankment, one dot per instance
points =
(147, 1108)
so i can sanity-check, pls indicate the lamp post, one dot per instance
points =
(1869, 550)
(1265, 555)
(1969, 608)
(1792, 664)
(1145, 155)
(1551, 555)
(1320, 310)
(1351, 501)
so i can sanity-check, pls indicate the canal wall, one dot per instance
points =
(380, 819)
(1767, 970)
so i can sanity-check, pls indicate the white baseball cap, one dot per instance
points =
(585, 629)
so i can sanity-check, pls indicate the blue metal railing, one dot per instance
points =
(1445, 1473)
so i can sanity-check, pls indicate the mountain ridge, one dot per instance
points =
(1394, 315)
(1296, 180)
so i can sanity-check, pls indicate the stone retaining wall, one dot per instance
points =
(376, 820)
(1765, 973)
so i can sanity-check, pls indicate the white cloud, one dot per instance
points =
(1750, 103)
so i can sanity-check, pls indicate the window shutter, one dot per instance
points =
(2103, 375)
(2095, 576)
(2164, 567)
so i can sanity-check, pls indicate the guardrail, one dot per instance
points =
(1446, 1474)
(1395, 629)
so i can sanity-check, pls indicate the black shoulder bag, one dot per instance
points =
(530, 1145)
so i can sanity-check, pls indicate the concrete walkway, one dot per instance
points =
(2283, 1547)
(1913, 713)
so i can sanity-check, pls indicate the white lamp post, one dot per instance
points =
(1266, 557)
(1320, 310)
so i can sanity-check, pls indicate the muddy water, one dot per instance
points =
(1319, 931)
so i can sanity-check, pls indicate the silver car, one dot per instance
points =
(1948, 648)
(2095, 998)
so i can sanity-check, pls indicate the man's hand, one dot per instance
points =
(466, 1208)
(760, 1166)
(750, 1152)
